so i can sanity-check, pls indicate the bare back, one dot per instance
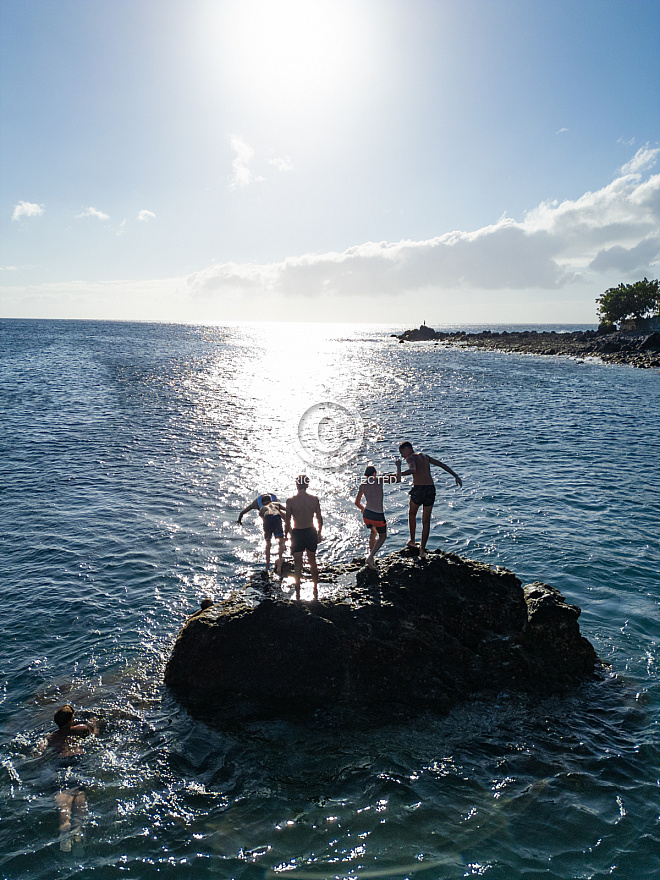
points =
(372, 488)
(302, 508)
(419, 464)
(273, 508)
(63, 741)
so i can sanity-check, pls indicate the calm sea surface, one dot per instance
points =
(126, 453)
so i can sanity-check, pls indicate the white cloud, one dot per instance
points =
(282, 163)
(27, 209)
(636, 259)
(242, 175)
(616, 228)
(93, 212)
(549, 265)
(561, 130)
(644, 158)
(144, 215)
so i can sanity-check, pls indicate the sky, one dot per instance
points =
(452, 161)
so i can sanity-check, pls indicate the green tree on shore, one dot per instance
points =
(628, 301)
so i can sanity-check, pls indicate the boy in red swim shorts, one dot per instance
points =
(373, 515)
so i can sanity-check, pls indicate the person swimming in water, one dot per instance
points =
(71, 799)
(373, 515)
(272, 514)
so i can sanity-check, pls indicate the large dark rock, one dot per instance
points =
(419, 334)
(420, 634)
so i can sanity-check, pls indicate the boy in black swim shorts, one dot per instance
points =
(301, 510)
(422, 493)
(272, 514)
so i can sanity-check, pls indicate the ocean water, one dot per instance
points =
(127, 451)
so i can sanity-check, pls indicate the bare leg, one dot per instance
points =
(280, 558)
(426, 528)
(374, 546)
(311, 557)
(297, 571)
(78, 811)
(64, 801)
(412, 523)
(268, 554)
(373, 534)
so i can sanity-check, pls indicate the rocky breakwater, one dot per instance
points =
(419, 635)
(633, 348)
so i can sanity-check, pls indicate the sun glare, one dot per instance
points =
(291, 55)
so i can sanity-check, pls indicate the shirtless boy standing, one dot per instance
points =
(372, 510)
(423, 491)
(301, 509)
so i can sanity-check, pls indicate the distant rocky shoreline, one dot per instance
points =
(633, 348)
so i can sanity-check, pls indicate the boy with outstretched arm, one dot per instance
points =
(422, 493)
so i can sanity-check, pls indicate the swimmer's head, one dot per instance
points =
(266, 499)
(64, 715)
(405, 448)
(206, 603)
(302, 481)
(370, 471)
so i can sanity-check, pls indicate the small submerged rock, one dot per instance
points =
(424, 635)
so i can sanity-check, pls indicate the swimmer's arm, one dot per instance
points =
(287, 519)
(446, 467)
(253, 506)
(319, 518)
(85, 728)
(358, 497)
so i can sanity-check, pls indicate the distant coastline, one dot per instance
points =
(633, 348)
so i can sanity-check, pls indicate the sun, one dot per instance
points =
(290, 56)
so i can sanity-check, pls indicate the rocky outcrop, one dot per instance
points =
(424, 635)
(418, 334)
(636, 349)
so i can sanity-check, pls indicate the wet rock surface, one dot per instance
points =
(420, 634)
(635, 349)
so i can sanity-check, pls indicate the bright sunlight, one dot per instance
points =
(289, 56)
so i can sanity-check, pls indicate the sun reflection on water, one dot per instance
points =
(257, 391)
